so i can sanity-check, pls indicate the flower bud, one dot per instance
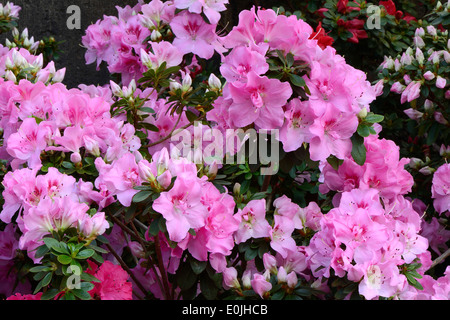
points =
(75, 157)
(214, 82)
(145, 58)
(186, 84)
(116, 90)
(156, 36)
(246, 279)
(420, 32)
(270, 263)
(281, 275)
(136, 249)
(415, 163)
(292, 279)
(426, 171)
(59, 75)
(419, 56)
(9, 75)
(432, 31)
(230, 279)
(363, 113)
(441, 82)
(429, 75)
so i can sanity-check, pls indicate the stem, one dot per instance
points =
(149, 258)
(162, 269)
(440, 258)
(126, 268)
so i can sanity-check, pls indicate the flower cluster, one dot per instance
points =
(18, 64)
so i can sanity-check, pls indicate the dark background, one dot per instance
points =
(45, 18)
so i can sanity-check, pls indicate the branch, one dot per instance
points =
(440, 258)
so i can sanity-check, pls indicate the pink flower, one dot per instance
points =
(193, 35)
(299, 117)
(286, 208)
(221, 224)
(240, 61)
(211, 8)
(331, 134)
(93, 226)
(165, 52)
(50, 215)
(281, 236)
(440, 189)
(381, 279)
(260, 285)
(113, 285)
(260, 101)
(182, 208)
(27, 144)
(253, 221)
(120, 177)
(157, 11)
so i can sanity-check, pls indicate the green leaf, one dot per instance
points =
(88, 277)
(197, 266)
(335, 162)
(208, 288)
(40, 269)
(358, 149)
(85, 254)
(296, 80)
(363, 130)
(41, 251)
(44, 282)
(373, 118)
(81, 294)
(51, 243)
(50, 294)
(64, 259)
(142, 196)
(149, 126)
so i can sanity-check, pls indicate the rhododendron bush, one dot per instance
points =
(241, 164)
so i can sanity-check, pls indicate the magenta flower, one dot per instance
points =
(113, 285)
(259, 101)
